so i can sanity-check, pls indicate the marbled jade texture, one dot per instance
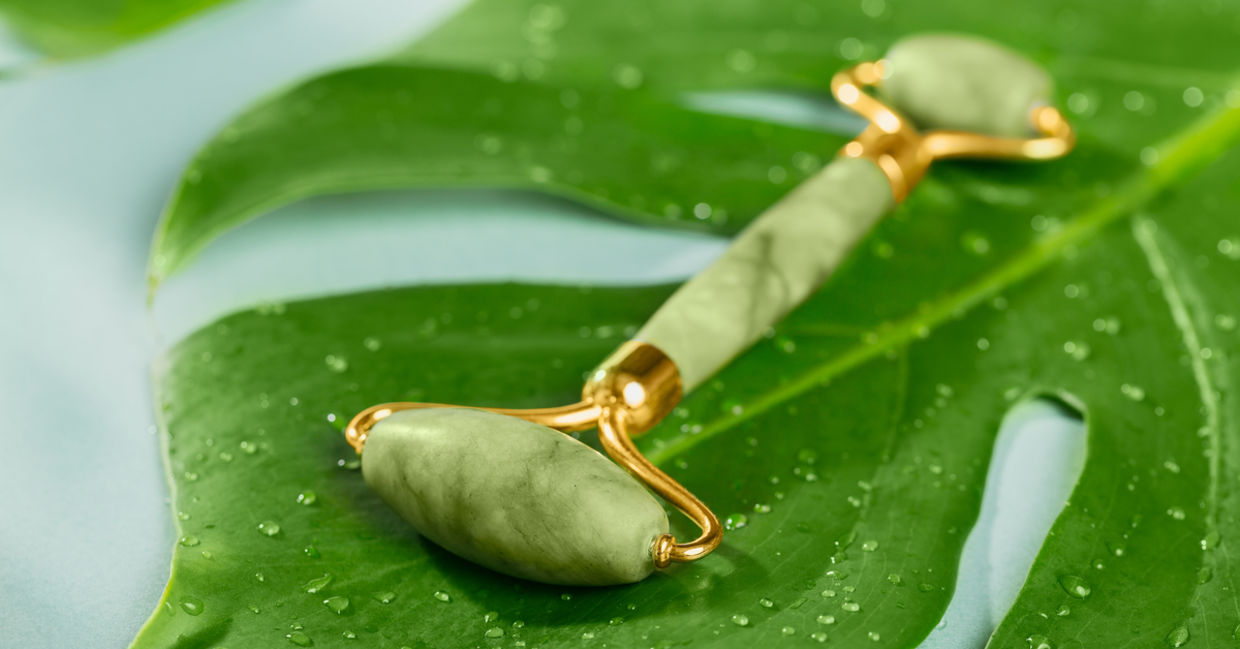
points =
(964, 83)
(514, 496)
(771, 267)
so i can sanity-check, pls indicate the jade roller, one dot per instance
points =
(507, 489)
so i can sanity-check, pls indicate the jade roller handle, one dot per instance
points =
(770, 268)
(953, 82)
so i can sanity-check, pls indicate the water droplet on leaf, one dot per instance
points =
(192, 605)
(1075, 586)
(318, 584)
(337, 604)
(1178, 637)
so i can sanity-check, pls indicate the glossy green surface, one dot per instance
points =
(964, 83)
(848, 450)
(848, 458)
(514, 496)
(770, 268)
(73, 28)
(581, 99)
(390, 125)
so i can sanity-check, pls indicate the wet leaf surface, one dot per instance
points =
(854, 441)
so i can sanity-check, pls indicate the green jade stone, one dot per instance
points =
(771, 267)
(514, 496)
(964, 83)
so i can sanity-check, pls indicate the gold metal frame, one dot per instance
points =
(631, 391)
(904, 153)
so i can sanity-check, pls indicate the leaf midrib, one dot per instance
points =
(1199, 143)
(1178, 298)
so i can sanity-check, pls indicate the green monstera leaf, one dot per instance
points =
(849, 449)
(67, 29)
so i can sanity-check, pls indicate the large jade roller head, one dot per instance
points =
(509, 490)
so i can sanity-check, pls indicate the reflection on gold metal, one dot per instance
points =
(903, 153)
(627, 395)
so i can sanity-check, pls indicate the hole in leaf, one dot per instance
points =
(807, 110)
(1038, 457)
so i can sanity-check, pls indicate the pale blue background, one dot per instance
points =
(88, 154)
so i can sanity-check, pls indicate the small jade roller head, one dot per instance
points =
(964, 83)
(950, 96)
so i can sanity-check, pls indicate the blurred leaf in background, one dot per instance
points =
(849, 450)
(65, 29)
